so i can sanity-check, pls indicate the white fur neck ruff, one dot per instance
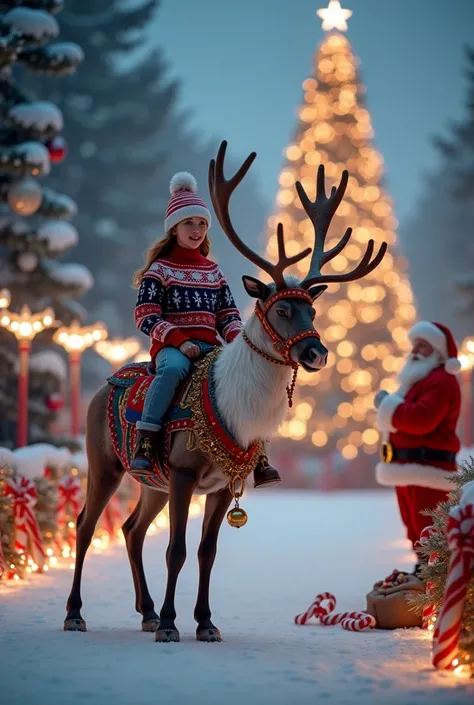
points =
(435, 337)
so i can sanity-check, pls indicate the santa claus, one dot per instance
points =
(419, 426)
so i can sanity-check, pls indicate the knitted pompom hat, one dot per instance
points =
(184, 202)
(442, 340)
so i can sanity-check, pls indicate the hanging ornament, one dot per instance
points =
(27, 262)
(57, 148)
(54, 401)
(25, 196)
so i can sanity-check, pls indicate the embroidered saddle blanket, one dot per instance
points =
(193, 409)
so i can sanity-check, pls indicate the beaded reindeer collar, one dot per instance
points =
(282, 345)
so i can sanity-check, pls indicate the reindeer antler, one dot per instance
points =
(320, 212)
(221, 190)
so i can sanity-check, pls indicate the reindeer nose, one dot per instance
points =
(317, 358)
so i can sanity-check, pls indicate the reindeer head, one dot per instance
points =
(285, 308)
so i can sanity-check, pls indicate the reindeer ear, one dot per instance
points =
(316, 291)
(255, 288)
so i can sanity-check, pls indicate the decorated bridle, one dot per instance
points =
(282, 345)
(320, 212)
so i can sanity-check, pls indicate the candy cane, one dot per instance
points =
(352, 621)
(27, 531)
(460, 534)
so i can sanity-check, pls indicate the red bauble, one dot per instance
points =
(57, 148)
(54, 401)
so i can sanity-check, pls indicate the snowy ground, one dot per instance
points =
(294, 546)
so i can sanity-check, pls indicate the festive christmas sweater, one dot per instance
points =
(184, 296)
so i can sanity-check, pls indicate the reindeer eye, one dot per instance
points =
(282, 313)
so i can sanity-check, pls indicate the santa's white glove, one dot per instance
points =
(379, 397)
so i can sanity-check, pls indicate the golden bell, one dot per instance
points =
(237, 517)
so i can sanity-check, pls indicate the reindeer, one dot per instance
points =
(252, 376)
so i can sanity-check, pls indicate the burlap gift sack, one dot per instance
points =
(390, 606)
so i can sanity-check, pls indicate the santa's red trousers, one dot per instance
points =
(412, 501)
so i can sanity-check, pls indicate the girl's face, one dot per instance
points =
(190, 233)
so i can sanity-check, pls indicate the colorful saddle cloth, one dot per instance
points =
(193, 409)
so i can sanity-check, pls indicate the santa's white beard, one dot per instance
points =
(416, 369)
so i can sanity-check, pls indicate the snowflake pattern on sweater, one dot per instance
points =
(185, 299)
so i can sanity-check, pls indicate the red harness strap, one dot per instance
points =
(282, 345)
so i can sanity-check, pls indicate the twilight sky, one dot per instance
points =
(242, 65)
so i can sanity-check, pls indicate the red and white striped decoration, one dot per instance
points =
(352, 621)
(460, 534)
(27, 531)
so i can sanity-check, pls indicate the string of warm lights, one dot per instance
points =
(364, 324)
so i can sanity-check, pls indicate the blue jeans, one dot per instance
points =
(172, 367)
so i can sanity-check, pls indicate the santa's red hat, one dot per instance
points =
(442, 340)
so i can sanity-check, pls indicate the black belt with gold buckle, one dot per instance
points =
(389, 454)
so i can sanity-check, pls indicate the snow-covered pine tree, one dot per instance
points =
(459, 151)
(34, 219)
(114, 109)
(444, 215)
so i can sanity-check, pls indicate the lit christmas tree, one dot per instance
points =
(364, 323)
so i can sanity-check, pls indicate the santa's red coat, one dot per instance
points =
(426, 416)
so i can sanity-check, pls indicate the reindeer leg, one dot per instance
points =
(182, 484)
(99, 490)
(134, 529)
(216, 508)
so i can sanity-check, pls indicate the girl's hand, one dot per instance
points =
(190, 349)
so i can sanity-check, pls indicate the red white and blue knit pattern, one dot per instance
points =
(185, 296)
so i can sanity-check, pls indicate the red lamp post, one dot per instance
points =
(75, 339)
(25, 326)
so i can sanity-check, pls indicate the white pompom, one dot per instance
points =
(452, 366)
(183, 180)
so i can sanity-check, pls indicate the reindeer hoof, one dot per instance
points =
(150, 625)
(75, 625)
(208, 635)
(166, 636)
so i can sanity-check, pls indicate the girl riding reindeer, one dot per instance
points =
(184, 303)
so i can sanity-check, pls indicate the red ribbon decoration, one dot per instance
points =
(27, 531)
(69, 490)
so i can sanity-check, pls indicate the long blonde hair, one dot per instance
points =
(160, 249)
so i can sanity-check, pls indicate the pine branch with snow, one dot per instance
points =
(71, 275)
(58, 235)
(56, 205)
(27, 158)
(33, 26)
(40, 119)
(58, 59)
